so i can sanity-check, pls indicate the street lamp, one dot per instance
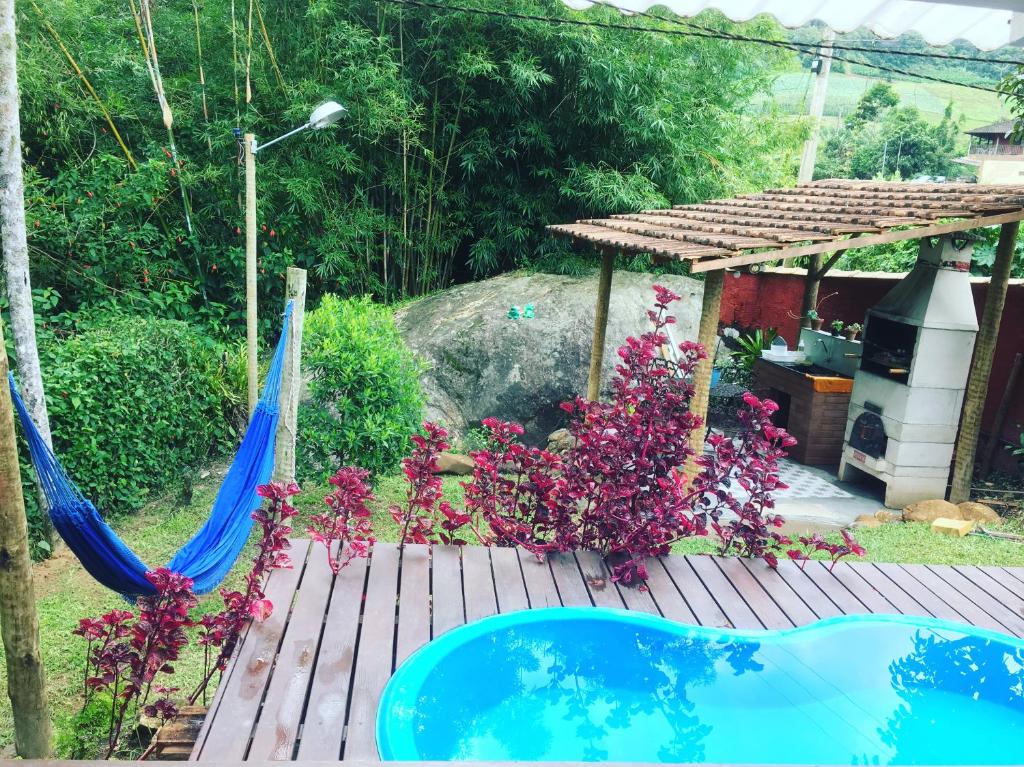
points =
(324, 115)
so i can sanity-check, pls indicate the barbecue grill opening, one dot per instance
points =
(888, 348)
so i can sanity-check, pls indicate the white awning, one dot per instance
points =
(987, 24)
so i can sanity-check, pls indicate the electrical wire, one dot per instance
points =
(692, 30)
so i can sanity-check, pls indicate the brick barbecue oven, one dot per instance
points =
(908, 392)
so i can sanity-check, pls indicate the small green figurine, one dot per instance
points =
(528, 312)
(513, 313)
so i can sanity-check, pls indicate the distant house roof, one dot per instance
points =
(1004, 129)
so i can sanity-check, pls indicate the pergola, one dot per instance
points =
(814, 219)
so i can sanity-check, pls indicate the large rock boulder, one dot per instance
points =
(979, 512)
(929, 511)
(481, 363)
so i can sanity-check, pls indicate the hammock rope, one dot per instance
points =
(208, 556)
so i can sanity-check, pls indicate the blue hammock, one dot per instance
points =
(208, 556)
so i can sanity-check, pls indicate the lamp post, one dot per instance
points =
(326, 114)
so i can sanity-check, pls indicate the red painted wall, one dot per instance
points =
(772, 299)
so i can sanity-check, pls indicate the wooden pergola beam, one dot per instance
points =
(604, 293)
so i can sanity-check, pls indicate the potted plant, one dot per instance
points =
(851, 331)
(837, 327)
(816, 321)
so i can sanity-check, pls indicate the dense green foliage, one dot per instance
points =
(882, 139)
(364, 393)
(465, 136)
(134, 402)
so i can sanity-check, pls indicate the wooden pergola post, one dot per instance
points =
(981, 367)
(707, 335)
(291, 379)
(604, 292)
(19, 623)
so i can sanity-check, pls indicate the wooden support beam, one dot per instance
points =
(981, 367)
(251, 337)
(291, 379)
(604, 292)
(707, 335)
(19, 623)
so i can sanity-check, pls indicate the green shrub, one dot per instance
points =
(364, 396)
(134, 402)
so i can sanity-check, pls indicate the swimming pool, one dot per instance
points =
(593, 684)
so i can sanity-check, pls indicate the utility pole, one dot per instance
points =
(817, 108)
(19, 623)
(251, 337)
(15, 240)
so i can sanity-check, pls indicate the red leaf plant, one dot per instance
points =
(425, 518)
(835, 551)
(220, 631)
(127, 653)
(620, 488)
(347, 521)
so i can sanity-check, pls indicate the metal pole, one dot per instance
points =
(604, 292)
(251, 339)
(291, 379)
(19, 623)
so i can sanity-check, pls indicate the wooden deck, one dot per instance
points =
(306, 683)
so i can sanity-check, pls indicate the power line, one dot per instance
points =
(693, 30)
(839, 46)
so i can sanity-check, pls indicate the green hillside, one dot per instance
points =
(792, 92)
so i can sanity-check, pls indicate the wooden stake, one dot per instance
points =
(291, 379)
(707, 335)
(1000, 417)
(251, 338)
(19, 623)
(981, 367)
(604, 292)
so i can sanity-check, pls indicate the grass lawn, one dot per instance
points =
(66, 593)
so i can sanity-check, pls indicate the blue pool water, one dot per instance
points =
(593, 684)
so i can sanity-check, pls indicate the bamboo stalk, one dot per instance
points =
(270, 49)
(202, 75)
(88, 85)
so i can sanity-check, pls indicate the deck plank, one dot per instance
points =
(228, 737)
(598, 581)
(698, 598)
(980, 598)
(962, 604)
(1004, 578)
(754, 594)
(413, 601)
(478, 583)
(727, 597)
(834, 589)
(277, 728)
(796, 610)
(508, 580)
(669, 602)
(863, 591)
(922, 595)
(374, 654)
(816, 600)
(540, 583)
(1011, 600)
(328, 694)
(892, 592)
(446, 594)
(572, 591)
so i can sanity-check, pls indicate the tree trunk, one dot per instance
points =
(811, 284)
(707, 336)
(981, 367)
(19, 624)
(15, 243)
